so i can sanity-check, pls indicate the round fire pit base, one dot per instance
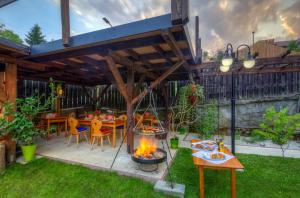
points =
(148, 167)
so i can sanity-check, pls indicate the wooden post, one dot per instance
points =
(179, 12)
(58, 105)
(130, 106)
(65, 22)
(11, 91)
(11, 82)
(198, 42)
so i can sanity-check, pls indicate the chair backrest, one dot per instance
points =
(138, 118)
(123, 117)
(73, 123)
(96, 126)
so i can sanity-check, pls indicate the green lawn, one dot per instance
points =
(264, 177)
(45, 178)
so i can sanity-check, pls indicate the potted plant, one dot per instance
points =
(174, 142)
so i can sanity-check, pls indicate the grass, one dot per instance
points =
(263, 177)
(46, 178)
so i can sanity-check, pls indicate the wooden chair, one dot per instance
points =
(138, 118)
(124, 118)
(98, 133)
(76, 131)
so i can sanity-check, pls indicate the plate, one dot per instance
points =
(208, 157)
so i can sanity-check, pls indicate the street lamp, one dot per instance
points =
(229, 61)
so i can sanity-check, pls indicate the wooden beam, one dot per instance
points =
(137, 57)
(158, 80)
(162, 54)
(117, 76)
(22, 63)
(170, 40)
(65, 22)
(179, 12)
(128, 63)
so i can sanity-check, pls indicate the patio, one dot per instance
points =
(58, 149)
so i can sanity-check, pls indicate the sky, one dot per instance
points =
(221, 21)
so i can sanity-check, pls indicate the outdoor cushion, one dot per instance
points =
(105, 131)
(81, 129)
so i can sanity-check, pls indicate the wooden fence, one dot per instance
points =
(248, 86)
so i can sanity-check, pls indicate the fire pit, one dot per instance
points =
(148, 156)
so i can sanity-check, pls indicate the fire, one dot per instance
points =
(146, 147)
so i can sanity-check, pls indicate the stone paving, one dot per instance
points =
(57, 149)
(266, 148)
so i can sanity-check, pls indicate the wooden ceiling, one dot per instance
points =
(150, 53)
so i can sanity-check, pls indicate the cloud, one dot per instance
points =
(117, 11)
(232, 20)
(221, 21)
(290, 20)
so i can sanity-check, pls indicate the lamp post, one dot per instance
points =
(229, 60)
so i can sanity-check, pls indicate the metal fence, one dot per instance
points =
(248, 86)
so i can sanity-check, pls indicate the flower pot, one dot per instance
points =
(28, 152)
(174, 143)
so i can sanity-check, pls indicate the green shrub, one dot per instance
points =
(278, 126)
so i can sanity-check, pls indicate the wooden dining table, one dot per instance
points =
(57, 120)
(114, 124)
(232, 165)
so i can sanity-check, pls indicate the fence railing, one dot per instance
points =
(248, 86)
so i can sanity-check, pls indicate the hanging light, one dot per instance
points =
(249, 62)
(224, 68)
(227, 60)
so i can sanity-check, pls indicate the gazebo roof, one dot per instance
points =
(152, 45)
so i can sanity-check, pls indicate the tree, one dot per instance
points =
(35, 36)
(294, 46)
(205, 55)
(10, 35)
(279, 127)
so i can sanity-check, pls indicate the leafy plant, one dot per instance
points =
(278, 126)
(185, 113)
(10, 35)
(293, 46)
(206, 126)
(20, 124)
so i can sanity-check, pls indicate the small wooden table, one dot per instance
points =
(108, 123)
(57, 120)
(231, 165)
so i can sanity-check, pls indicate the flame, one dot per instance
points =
(146, 147)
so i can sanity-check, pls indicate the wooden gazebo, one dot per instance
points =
(153, 50)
